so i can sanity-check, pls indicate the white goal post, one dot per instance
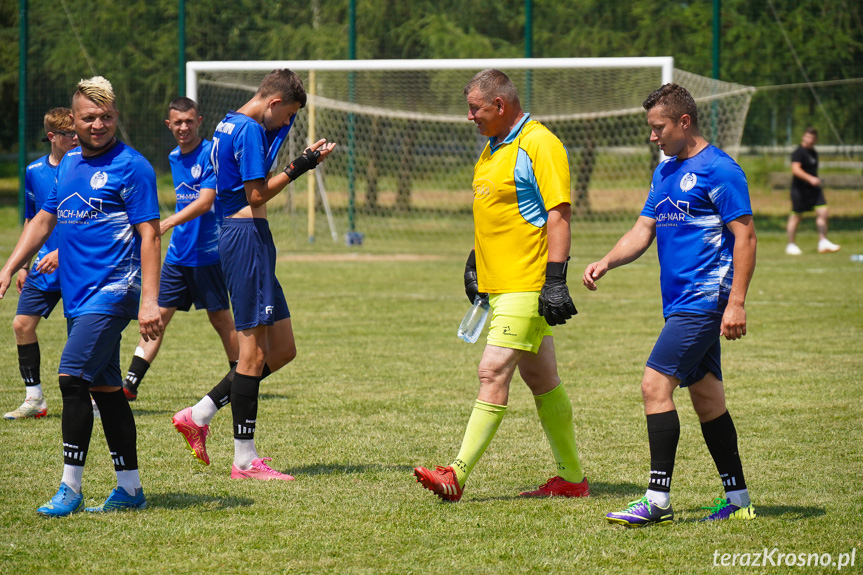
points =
(406, 150)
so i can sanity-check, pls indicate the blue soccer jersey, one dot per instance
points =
(98, 201)
(242, 151)
(196, 242)
(38, 183)
(692, 200)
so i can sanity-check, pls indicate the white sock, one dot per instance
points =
(740, 498)
(204, 411)
(34, 391)
(659, 498)
(72, 476)
(244, 453)
(129, 480)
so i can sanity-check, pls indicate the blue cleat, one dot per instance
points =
(724, 509)
(120, 499)
(641, 513)
(65, 502)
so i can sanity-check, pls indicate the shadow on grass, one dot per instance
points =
(346, 469)
(270, 395)
(140, 412)
(186, 500)
(784, 512)
(598, 490)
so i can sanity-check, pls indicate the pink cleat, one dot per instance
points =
(194, 434)
(259, 470)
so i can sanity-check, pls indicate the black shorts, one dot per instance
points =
(806, 200)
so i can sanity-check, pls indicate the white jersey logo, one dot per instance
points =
(98, 180)
(196, 171)
(688, 182)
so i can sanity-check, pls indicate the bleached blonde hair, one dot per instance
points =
(96, 89)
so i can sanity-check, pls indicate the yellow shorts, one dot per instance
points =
(515, 321)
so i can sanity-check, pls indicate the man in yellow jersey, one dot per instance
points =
(522, 238)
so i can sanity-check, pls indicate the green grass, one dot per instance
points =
(381, 385)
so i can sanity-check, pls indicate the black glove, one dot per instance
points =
(471, 286)
(308, 161)
(554, 301)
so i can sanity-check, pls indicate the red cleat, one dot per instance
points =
(559, 487)
(442, 482)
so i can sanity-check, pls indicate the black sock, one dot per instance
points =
(137, 369)
(721, 439)
(244, 405)
(221, 392)
(119, 425)
(77, 420)
(29, 360)
(663, 433)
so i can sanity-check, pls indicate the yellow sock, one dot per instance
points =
(481, 427)
(555, 414)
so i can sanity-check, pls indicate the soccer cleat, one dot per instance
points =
(793, 250)
(442, 482)
(641, 513)
(259, 470)
(559, 487)
(120, 499)
(724, 509)
(65, 502)
(34, 408)
(130, 390)
(194, 434)
(825, 246)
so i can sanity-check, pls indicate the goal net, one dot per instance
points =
(401, 175)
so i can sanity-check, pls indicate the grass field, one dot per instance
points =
(381, 385)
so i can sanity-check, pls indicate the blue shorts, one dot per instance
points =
(248, 257)
(182, 286)
(92, 350)
(688, 348)
(34, 301)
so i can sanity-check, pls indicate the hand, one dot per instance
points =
(164, 226)
(555, 304)
(309, 160)
(20, 279)
(48, 264)
(733, 322)
(150, 324)
(471, 284)
(592, 273)
(5, 281)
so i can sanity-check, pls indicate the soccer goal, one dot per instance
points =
(403, 170)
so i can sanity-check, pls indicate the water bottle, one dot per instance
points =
(474, 320)
(857, 258)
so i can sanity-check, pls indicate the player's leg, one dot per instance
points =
(539, 371)
(118, 423)
(720, 435)
(792, 249)
(821, 217)
(145, 354)
(33, 305)
(496, 369)
(223, 323)
(29, 363)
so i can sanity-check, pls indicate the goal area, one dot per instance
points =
(402, 172)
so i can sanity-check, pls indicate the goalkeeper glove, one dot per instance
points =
(471, 286)
(308, 161)
(555, 304)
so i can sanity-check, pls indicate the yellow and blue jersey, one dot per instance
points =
(515, 184)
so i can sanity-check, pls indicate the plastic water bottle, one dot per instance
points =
(474, 320)
(857, 258)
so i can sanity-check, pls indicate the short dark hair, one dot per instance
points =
(284, 84)
(675, 101)
(811, 130)
(183, 104)
(492, 84)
